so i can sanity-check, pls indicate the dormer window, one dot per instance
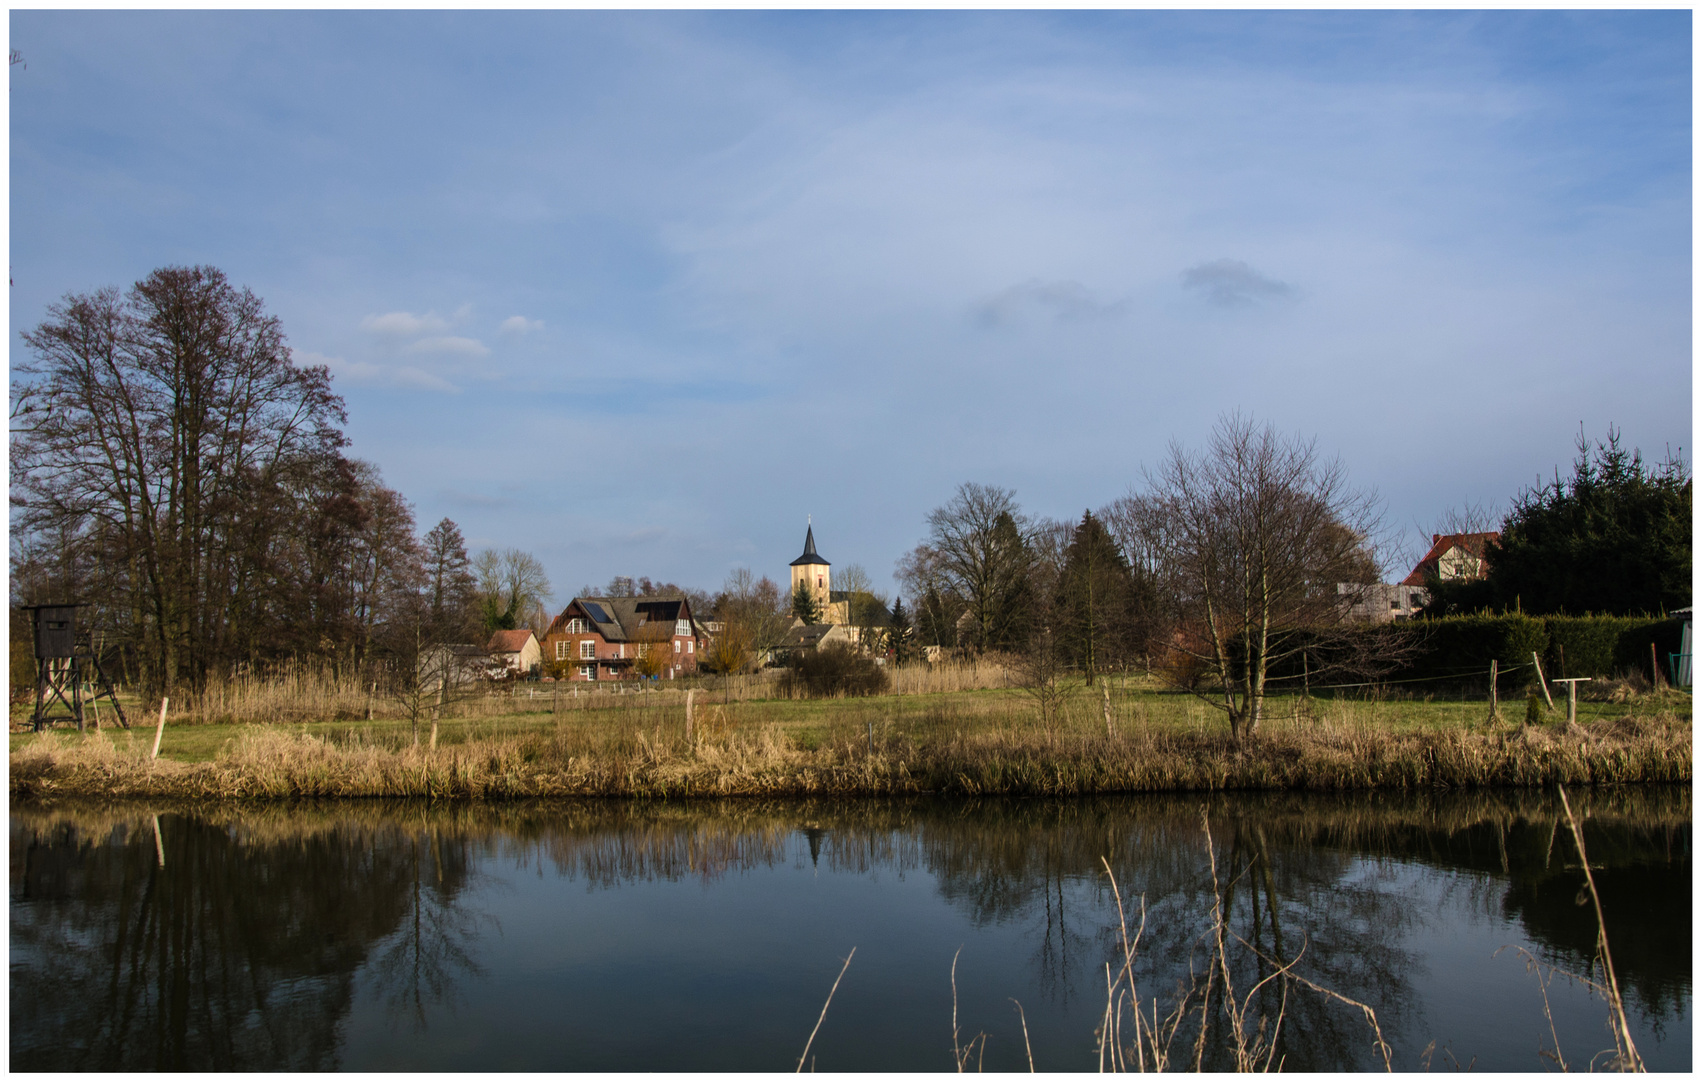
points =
(577, 626)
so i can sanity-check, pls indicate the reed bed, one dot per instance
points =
(308, 693)
(941, 749)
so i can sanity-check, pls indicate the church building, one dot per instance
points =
(816, 573)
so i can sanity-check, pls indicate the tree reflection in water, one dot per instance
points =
(249, 947)
(237, 953)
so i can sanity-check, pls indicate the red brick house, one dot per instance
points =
(601, 638)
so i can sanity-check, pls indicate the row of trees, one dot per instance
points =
(1227, 563)
(176, 471)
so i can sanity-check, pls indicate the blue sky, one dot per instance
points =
(638, 292)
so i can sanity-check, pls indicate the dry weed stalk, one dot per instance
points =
(823, 1009)
(1153, 1034)
(1628, 1057)
(963, 1054)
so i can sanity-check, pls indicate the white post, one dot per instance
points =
(1572, 683)
(160, 734)
(689, 711)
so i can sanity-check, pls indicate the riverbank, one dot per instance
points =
(634, 757)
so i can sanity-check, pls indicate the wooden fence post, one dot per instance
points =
(1654, 665)
(1544, 689)
(160, 734)
(689, 711)
(1492, 695)
(1108, 717)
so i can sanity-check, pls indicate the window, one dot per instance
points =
(560, 650)
(690, 646)
(586, 650)
(577, 626)
(683, 629)
(587, 671)
(642, 649)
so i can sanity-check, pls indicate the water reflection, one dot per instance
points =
(247, 947)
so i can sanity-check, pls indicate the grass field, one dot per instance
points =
(983, 740)
(1136, 704)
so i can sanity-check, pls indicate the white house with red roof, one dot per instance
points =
(516, 650)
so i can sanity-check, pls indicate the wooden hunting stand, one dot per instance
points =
(63, 664)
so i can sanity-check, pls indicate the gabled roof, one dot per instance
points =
(810, 557)
(1473, 543)
(509, 641)
(808, 636)
(619, 618)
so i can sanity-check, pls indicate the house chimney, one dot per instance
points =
(1436, 539)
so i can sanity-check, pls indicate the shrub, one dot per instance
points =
(833, 671)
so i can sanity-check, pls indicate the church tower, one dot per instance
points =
(811, 569)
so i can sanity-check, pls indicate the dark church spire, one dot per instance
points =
(810, 557)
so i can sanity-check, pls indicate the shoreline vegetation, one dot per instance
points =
(966, 737)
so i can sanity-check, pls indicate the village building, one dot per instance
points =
(1380, 603)
(602, 638)
(1453, 557)
(515, 651)
(456, 665)
(815, 573)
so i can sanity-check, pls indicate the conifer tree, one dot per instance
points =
(804, 606)
(1094, 596)
(899, 635)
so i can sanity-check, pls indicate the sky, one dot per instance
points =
(641, 292)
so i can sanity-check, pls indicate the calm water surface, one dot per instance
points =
(706, 936)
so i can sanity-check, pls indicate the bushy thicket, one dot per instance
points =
(834, 671)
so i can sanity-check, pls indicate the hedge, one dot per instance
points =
(1461, 648)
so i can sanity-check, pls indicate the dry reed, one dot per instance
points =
(645, 753)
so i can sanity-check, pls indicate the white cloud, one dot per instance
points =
(519, 324)
(451, 346)
(404, 324)
(362, 371)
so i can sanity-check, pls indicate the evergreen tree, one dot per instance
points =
(1094, 599)
(899, 635)
(1615, 539)
(804, 606)
(1007, 614)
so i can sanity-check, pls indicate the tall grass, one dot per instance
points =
(942, 748)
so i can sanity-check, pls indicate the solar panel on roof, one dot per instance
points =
(596, 613)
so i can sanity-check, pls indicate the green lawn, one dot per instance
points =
(1135, 702)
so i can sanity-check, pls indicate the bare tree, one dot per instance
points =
(654, 650)
(511, 584)
(1255, 534)
(978, 552)
(168, 428)
(754, 618)
(1041, 668)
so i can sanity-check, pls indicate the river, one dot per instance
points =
(707, 935)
